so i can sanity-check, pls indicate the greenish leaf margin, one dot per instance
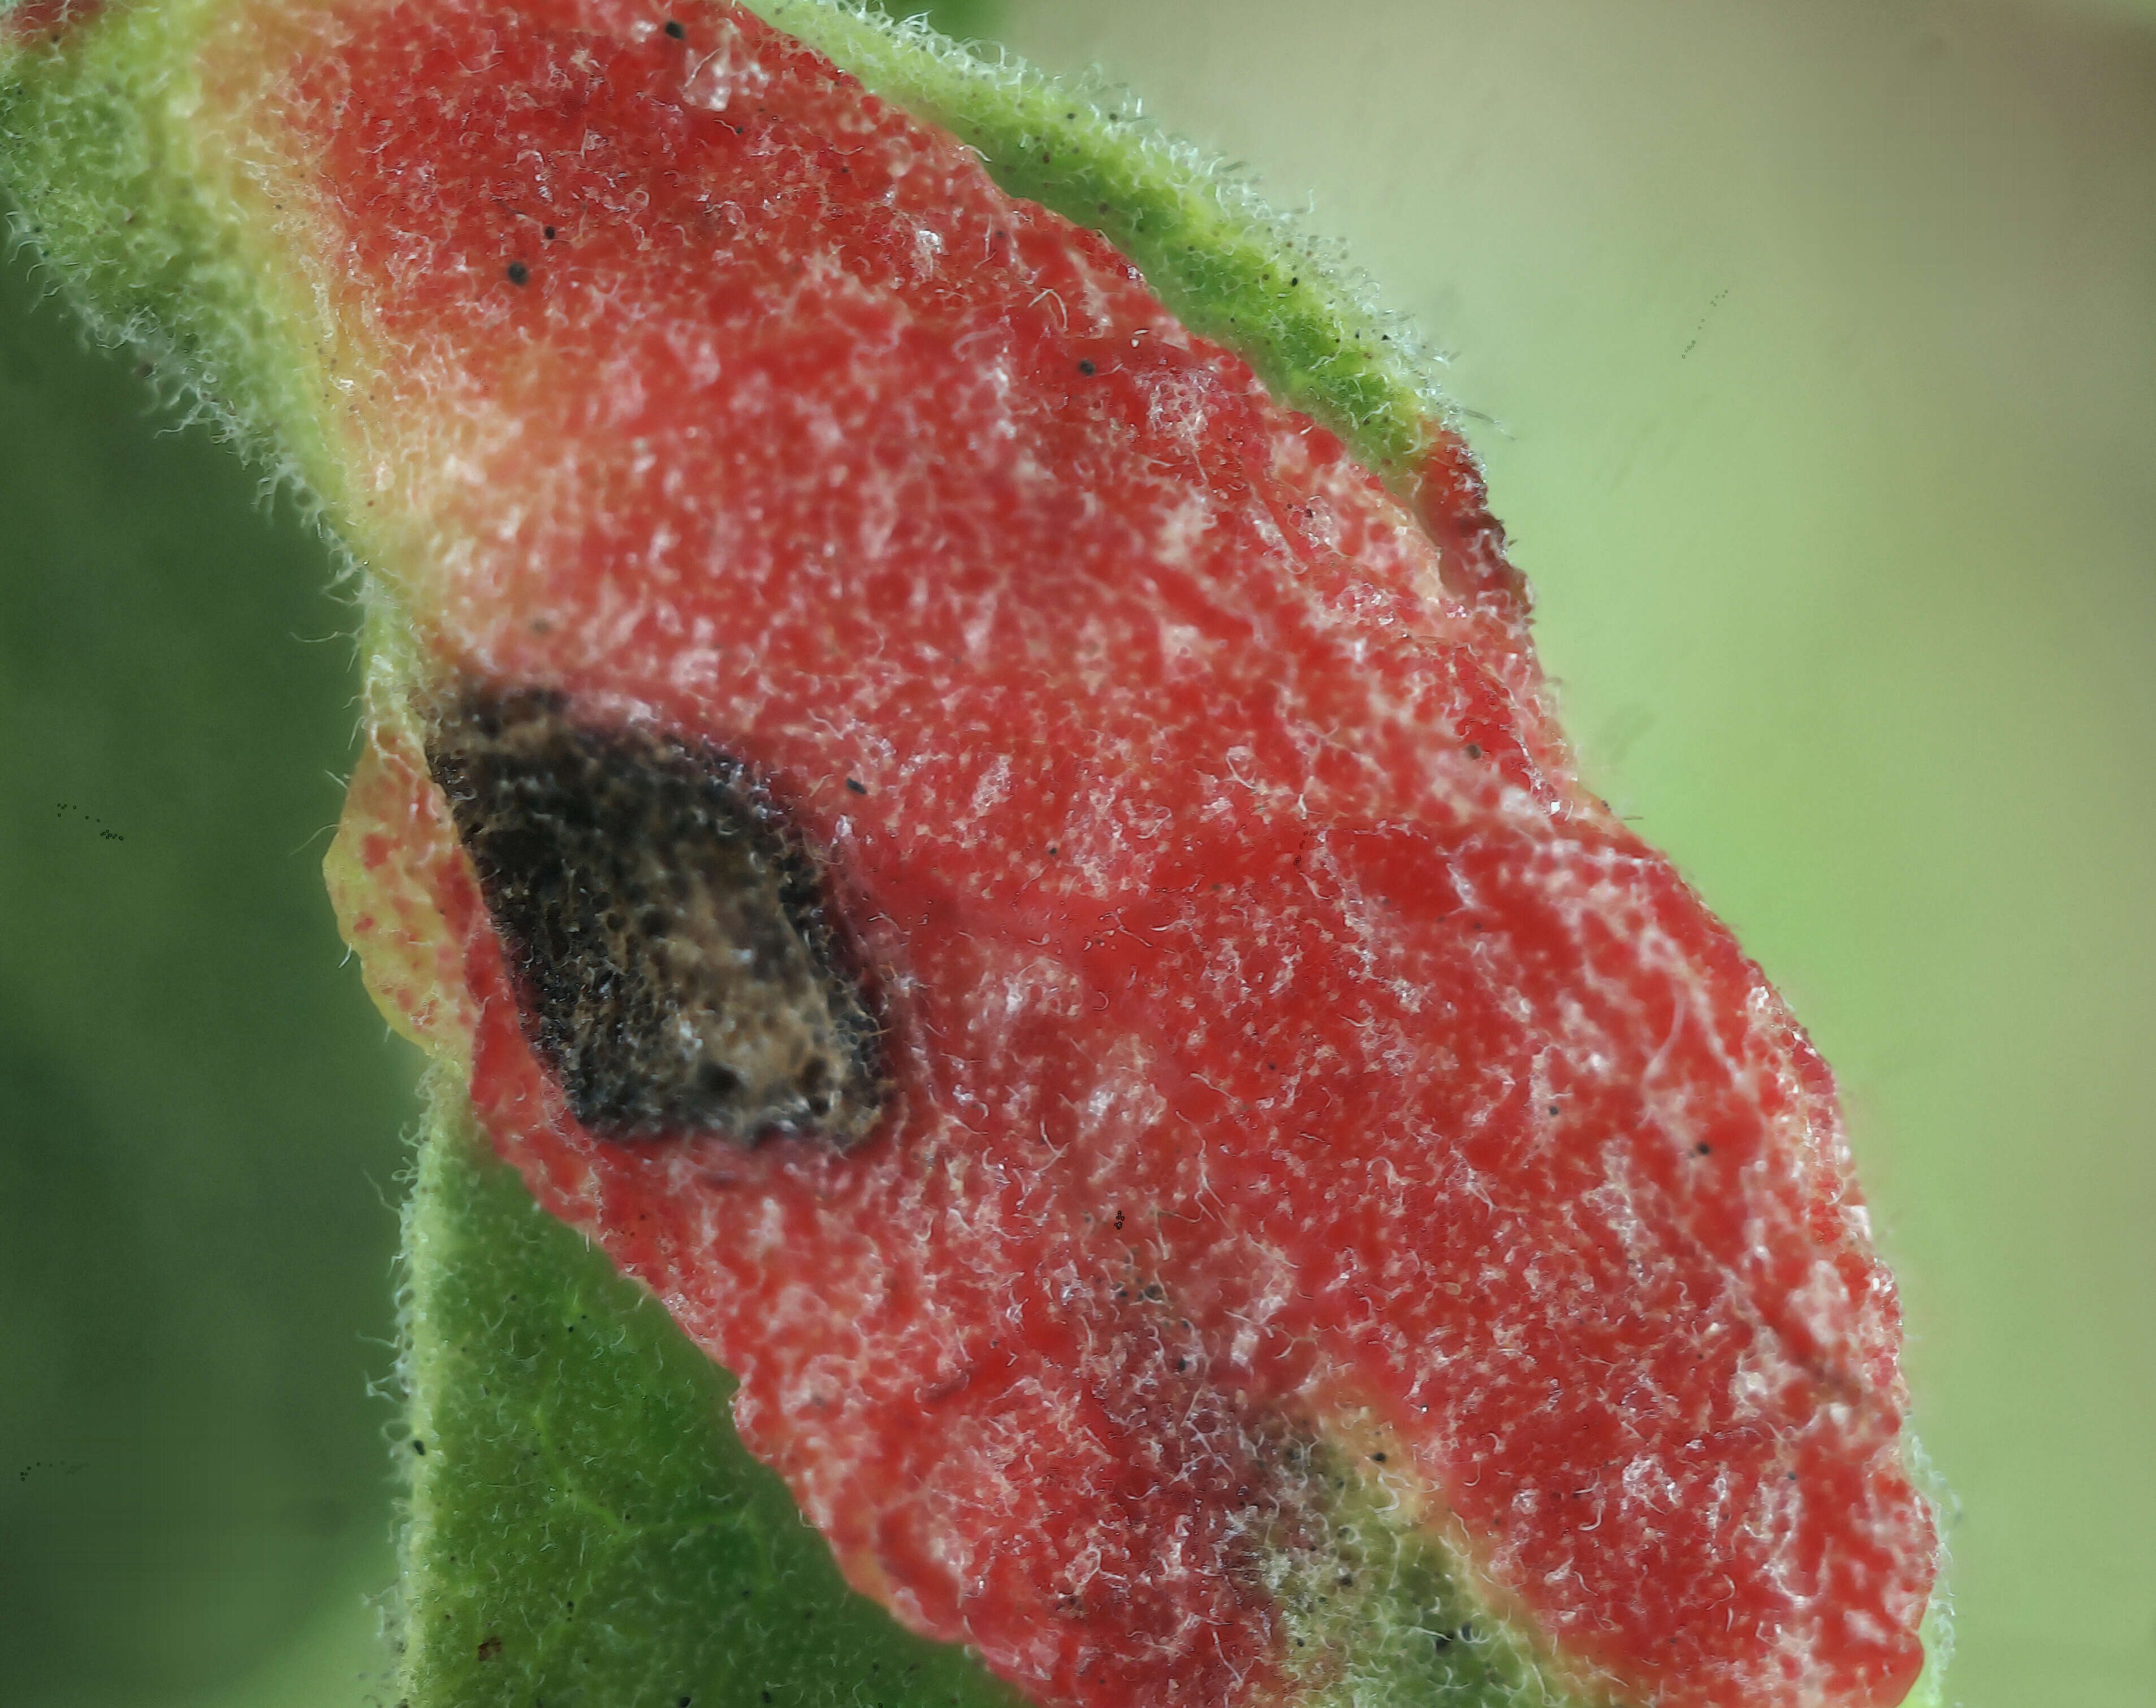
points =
(1231, 267)
(97, 156)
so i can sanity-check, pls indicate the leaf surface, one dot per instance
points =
(585, 1527)
(1310, 1516)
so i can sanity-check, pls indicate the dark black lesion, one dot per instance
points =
(677, 964)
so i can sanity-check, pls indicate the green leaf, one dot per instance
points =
(585, 1526)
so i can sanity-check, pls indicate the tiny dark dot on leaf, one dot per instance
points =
(418, 1445)
(519, 273)
(1087, 368)
(1474, 750)
(674, 28)
(549, 231)
(858, 787)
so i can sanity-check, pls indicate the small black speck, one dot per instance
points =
(1702, 1149)
(1377, 1459)
(857, 786)
(1182, 1365)
(519, 273)
(1474, 750)
(1295, 281)
(1553, 1109)
(419, 1446)
(549, 231)
(674, 29)
(681, 1702)
(1087, 368)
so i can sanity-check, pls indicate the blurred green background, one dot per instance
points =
(1812, 349)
